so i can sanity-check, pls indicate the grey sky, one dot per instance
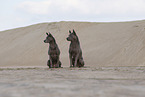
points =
(19, 13)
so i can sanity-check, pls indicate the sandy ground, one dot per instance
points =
(73, 82)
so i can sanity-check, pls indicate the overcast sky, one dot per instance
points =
(19, 13)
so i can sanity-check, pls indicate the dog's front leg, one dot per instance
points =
(51, 65)
(70, 57)
(76, 59)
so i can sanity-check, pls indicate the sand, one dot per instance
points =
(114, 55)
(70, 82)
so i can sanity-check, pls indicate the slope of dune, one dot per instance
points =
(103, 44)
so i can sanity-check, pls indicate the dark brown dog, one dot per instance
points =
(53, 52)
(75, 52)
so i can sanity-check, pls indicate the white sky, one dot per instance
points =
(19, 13)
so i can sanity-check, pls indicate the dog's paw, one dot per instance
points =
(71, 66)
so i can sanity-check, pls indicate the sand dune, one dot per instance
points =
(103, 44)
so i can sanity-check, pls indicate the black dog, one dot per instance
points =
(53, 52)
(75, 52)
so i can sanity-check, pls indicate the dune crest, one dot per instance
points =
(103, 44)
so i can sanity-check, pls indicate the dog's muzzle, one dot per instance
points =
(67, 39)
(44, 41)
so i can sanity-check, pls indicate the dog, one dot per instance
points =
(53, 52)
(75, 52)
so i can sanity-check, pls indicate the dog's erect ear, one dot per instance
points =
(69, 31)
(74, 32)
(46, 33)
(50, 34)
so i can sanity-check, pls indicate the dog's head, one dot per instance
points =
(72, 36)
(49, 38)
